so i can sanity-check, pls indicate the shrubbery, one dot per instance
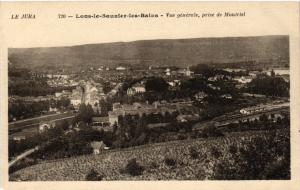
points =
(93, 176)
(194, 153)
(240, 156)
(169, 161)
(133, 168)
(264, 157)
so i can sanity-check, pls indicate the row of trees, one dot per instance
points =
(30, 87)
(23, 84)
(270, 86)
(21, 110)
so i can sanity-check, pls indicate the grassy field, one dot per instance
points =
(196, 159)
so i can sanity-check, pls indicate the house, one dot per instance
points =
(200, 96)
(254, 73)
(19, 137)
(76, 96)
(172, 84)
(52, 109)
(251, 110)
(120, 68)
(231, 70)
(187, 117)
(168, 72)
(97, 146)
(136, 89)
(138, 109)
(116, 106)
(253, 95)
(216, 78)
(226, 96)
(113, 117)
(286, 78)
(101, 123)
(186, 72)
(214, 87)
(58, 94)
(278, 71)
(240, 85)
(131, 91)
(243, 79)
(43, 126)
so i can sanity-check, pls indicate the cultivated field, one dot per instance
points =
(199, 164)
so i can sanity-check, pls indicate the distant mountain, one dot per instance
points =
(168, 52)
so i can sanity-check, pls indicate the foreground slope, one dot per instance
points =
(247, 155)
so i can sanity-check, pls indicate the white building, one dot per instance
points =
(97, 146)
(200, 95)
(243, 79)
(253, 109)
(168, 72)
(278, 71)
(58, 94)
(120, 68)
(135, 89)
(226, 96)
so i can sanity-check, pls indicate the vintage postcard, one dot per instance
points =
(143, 95)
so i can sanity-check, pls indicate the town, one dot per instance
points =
(61, 114)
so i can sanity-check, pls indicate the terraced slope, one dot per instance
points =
(209, 153)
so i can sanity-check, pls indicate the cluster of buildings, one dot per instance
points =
(88, 93)
(264, 107)
(59, 80)
(138, 109)
(281, 72)
(184, 72)
(136, 88)
(185, 111)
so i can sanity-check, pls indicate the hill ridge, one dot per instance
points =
(170, 52)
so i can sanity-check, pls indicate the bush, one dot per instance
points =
(194, 153)
(215, 152)
(133, 168)
(170, 161)
(153, 165)
(211, 132)
(93, 176)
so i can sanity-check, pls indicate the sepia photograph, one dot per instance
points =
(149, 95)
(180, 109)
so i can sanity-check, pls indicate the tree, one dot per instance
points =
(85, 114)
(93, 176)
(203, 69)
(133, 168)
(169, 161)
(264, 157)
(272, 73)
(156, 84)
(270, 86)
(65, 125)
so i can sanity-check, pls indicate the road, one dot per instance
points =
(30, 119)
(23, 155)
